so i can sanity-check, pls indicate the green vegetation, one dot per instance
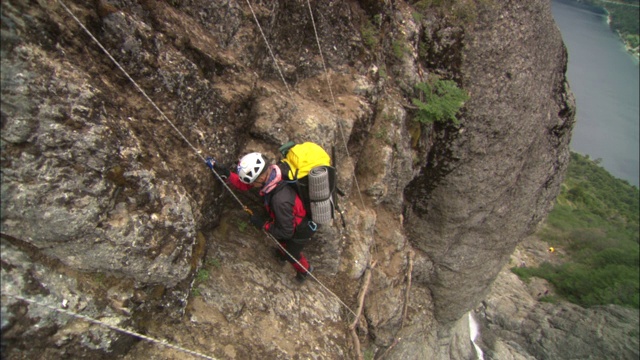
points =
(625, 18)
(100, 280)
(202, 276)
(440, 101)
(377, 19)
(424, 5)
(596, 223)
(242, 225)
(633, 41)
(461, 11)
(369, 35)
(369, 354)
(213, 263)
(417, 17)
(548, 299)
(400, 48)
(382, 71)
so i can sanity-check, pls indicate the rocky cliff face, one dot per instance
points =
(495, 178)
(108, 210)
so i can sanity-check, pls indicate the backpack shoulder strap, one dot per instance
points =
(284, 149)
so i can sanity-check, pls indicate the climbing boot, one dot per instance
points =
(303, 277)
(281, 257)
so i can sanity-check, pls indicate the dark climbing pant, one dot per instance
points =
(295, 249)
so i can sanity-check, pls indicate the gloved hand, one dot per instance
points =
(220, 170)
(258, 221)
(210, 162)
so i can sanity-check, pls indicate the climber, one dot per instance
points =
(287, 221)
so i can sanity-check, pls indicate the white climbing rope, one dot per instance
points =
(245, 208)
(333, 100)
(311, 274)
(344, 141)
(112, 327)
(148, 98)
(275, 62)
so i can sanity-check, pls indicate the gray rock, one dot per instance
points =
(515, 324)
(487, 184)
(95, 179)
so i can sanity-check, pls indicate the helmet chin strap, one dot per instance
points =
(261, 179)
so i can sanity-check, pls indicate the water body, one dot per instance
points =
(605, 80)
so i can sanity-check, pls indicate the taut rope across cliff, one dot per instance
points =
(193, 148)
(333, 99)
(112, 327)
(324, 67)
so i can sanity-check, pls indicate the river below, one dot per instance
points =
(604, 78)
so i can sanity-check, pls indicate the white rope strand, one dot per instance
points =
(335, 106)
(112, 327)
(189, 143)
(344, 140)
(129, 77)
(148, 98)
(275, 62)
(309, 273)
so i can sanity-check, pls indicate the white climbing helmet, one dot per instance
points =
(251, 166)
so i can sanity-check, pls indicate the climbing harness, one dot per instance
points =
(112, 327)
(245, 208)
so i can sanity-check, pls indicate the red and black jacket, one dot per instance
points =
(286, 210)
(284, 206)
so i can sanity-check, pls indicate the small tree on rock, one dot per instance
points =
(440, 101)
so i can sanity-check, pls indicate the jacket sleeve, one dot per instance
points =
(234, 180)
(281, 206)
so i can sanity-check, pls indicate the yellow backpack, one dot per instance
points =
(313, 178)
(303, 157)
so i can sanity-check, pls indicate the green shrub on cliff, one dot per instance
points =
(439, 101)
(369, 35)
